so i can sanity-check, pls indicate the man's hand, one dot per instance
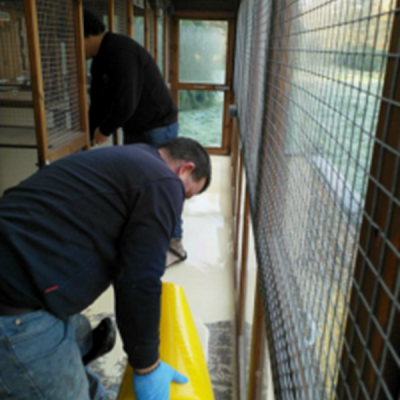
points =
(156, 384)
(98, 138)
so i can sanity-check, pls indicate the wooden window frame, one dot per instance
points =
(227, 87)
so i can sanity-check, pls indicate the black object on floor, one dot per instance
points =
(104, 337)
(176, 248)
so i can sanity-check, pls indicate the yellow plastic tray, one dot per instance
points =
(180, 347)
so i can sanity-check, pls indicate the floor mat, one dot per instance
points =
(221, 360)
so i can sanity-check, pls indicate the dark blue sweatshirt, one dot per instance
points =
(87, 221)
(127, 89)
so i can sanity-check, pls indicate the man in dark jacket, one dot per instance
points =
(68, 232)
(127, 91)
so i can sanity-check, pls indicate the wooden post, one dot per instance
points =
(111, 11)
(234, 161)
(238, 201)
(257, 347)
(174, 58)
(228, 95)
(146, 26)
(81, 62)
(32, 31)
(111, 28)
(166, 41)
(243, 265)
(129, 17)
(155, 33)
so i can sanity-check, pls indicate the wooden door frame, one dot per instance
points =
(146, 25)
(174, 69)
(130, 14)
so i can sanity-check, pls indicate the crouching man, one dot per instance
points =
(67, 233)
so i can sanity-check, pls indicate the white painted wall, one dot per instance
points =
(15, 166)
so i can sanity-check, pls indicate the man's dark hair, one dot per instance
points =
(190, 150)
(92, 24)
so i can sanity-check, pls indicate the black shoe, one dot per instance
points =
(104, 337)
(176, 248)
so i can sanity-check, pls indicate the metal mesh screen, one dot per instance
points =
(151, 31)
(60, 71)
(120, 18)
(138, 25)
(160, 39)
(309, 85)
(16, 109)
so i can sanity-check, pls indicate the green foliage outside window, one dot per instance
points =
(196, 99)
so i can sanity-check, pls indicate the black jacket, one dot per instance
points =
(127, 89)
(87, 221)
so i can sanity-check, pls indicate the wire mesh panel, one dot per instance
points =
(16, 107)
(256, 94)
(251, 56)
(138, 25)
(238, 81)
(60, 70)
(120, 17)
(370, 365)
(151, 20)
(325, 71)
(160, 39)
(245, 30)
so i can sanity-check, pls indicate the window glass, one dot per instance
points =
(138, 29)
(200, 116)
(203, 51)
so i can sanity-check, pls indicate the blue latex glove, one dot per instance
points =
(156, 385)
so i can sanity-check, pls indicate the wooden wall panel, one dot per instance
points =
(11, 48)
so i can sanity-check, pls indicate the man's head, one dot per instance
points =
(92, 24)
(190, 161)
(94, 31)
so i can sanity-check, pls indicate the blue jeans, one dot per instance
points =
(155, 137)
(41, 359)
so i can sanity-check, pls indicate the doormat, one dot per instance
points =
(221, 360)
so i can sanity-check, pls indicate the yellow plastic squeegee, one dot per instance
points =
(180, 348)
